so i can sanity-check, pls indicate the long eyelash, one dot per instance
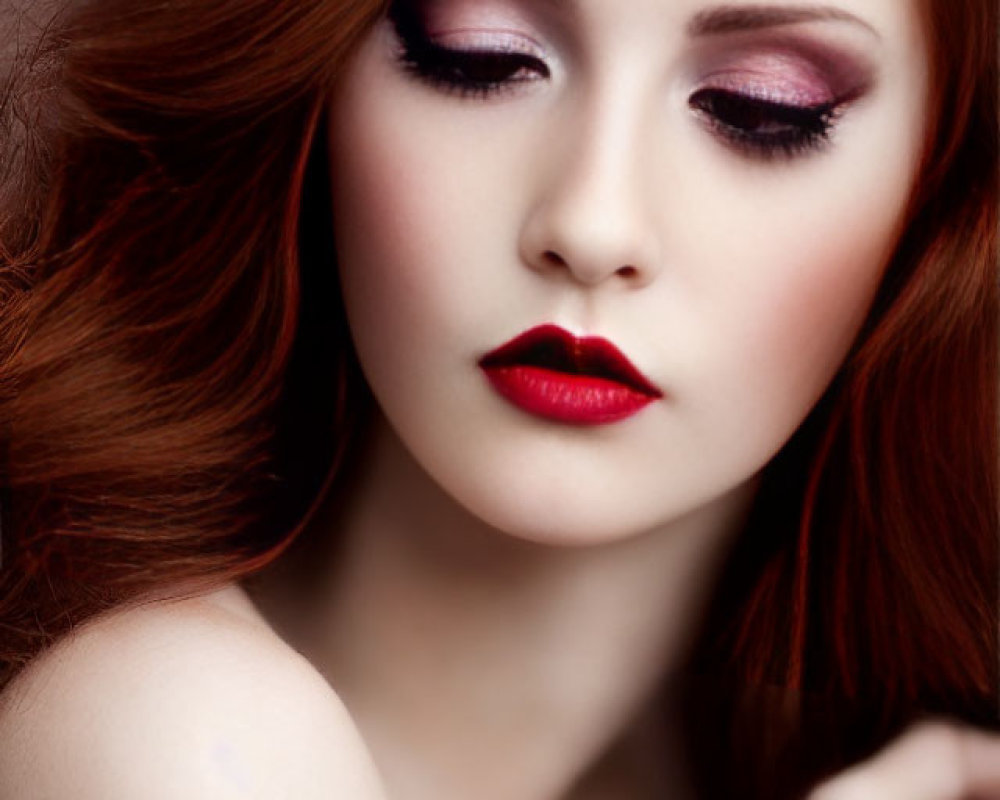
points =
(450, 69)
(737, 118)
(798, 129)
(453, 70)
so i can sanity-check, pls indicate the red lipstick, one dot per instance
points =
(550, 373)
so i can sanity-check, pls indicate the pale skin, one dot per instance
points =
(506, 594)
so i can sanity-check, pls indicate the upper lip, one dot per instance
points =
(555, 348)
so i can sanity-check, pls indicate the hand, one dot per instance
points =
(932, 761)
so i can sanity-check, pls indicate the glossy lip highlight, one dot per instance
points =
(550, 373)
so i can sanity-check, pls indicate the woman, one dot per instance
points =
(634, 290)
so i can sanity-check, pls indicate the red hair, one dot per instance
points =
(151, 284)
(156, 438)
(866, 584)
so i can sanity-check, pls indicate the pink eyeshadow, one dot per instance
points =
(444, 16)
(779, 77)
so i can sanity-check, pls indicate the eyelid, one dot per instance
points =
(470, 25)
(773, 88)
(494, 40)
(790, 68)
(770, 130)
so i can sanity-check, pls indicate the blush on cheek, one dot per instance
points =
(785, 319)
(374, 226)
(821, 318)
(776, 349)
(820, 269)
(816, 318)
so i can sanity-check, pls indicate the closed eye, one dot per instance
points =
(756, 127)
(472, 72)
(479, 72)
(765, 128)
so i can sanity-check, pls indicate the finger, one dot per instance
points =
(934, 761)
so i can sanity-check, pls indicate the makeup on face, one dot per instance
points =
(549, 373)
(759, 85)
(706, 196)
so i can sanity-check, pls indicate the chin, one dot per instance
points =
(574, 528)
(557, 487)
(546, 510)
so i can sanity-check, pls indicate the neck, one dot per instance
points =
(478, 664)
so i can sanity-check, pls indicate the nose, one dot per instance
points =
(590, 220)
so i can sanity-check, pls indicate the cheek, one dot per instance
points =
(767, 275)
(799, 300)
(801, 317)
(411, 255)
(385, 230)
(786, 292)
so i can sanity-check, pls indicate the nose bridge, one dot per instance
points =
(590, 217)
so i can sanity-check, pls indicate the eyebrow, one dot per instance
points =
(733, 19)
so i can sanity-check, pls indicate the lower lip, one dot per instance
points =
(559, 396)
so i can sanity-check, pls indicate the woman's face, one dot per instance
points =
(712, 189)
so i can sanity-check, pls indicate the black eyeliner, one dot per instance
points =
(474, 72)
(799, 128)
(758, 127)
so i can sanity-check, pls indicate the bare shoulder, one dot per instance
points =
(179, 700)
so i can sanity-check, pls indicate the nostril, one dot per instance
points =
(592, 273)
(554, 258)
